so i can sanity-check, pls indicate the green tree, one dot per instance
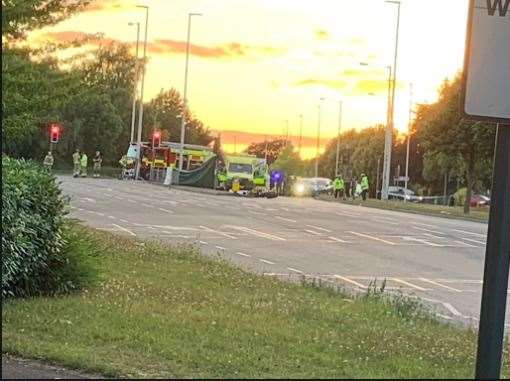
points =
(289, 162)
(274, 149)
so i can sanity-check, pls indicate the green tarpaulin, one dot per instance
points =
(202, 177)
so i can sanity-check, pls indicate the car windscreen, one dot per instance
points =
(240, 168)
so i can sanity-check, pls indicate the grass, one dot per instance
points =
(476, 214)
(158, 311)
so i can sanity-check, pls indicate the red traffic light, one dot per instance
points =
(54, 133)
(156, 139)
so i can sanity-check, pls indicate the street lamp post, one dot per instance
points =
(318, 139)
(140, 112)
(340, 105)
(135, 87)
(389, 128)
(409, 133)
(185, 93)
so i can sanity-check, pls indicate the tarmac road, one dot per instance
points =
(437, 259)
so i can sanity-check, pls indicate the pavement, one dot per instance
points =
(436, 259)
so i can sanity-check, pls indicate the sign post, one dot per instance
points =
(486, 97)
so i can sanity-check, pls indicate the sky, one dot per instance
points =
(257, 65)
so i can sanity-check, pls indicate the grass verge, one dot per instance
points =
(476, 214)
(170, 312)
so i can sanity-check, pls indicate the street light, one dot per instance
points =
(133, 111)
(318, 139)
(409, 133)
(140, 113)
(185, 93)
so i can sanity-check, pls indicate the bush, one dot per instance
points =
(36, 256)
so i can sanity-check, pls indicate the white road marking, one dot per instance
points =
(471, 233)
(243, 254)
(439, 284)
(383, 221)
(475, 241)
(319, 228)
(422, 241)
(312, 232)
(337, 240)
(387, 218)
(257, 213)
(123, 220)
(433, 236)
(465, 244)
(294, 270)
(220, 247)
(266, 261)
(427, 230)
(217, 232)
(166, 210)
(124, 229)
(285, 219)
(444, 316)
(374, 238)
(131, 201)
(148, 205)
(257, 233)
(451, 308)
(345, 279)
(408, 284)
(342, 214)
(203, 242)
(112, 217)
(426, 225)
(88, 199)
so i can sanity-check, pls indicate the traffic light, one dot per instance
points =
(156, 139)
(54, 133)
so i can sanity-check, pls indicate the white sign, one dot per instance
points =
(486, 89)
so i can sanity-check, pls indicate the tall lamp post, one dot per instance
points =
(185, 93)
(135, 95)
(409, 134)
(389, 128)
(340, 106)
(140, 112)
(317, 149)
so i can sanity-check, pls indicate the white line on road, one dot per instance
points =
(439, 284)
(112, 217)
(220, 247)
(285, 219)
(124, 229)
(475, 241)
(266, 261)
(147, 205)
(243, 254)
(312, 232)
(426, 225)
(408, 284)
(319, 228)
(337, 240)
(427, 230)
(471, 233)
(387, 218)
(342, 214)
(451, 308)
(465, 244)
(371, 237)
(257, 213)
(345, 279)
(433, 236)
(123, 220)
(203, 242)
(294, 270)
(217, 232)
(383, 221)
(166, 210)
(257, 233)
(131, 201)
(422, 241)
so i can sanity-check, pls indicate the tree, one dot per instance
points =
(289, 162)
(274, 149)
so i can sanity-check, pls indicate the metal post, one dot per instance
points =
(185, 93)
(338, 137)
(409, 134)
(135, 87)
(445, 202)
(377, 182)
(497, 264)
(389, 128)
(318, 140)
(140, 106)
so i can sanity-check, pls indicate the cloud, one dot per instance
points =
(331, 83)
(321, 34)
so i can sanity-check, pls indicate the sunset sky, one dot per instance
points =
(256, 63)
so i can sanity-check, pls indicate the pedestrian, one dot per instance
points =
(83, 164)
(339, 186)
(98, 160)
(76, 163)
(48, 161)
(364, 186)
(353, 187)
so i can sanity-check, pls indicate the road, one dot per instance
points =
(436, 259)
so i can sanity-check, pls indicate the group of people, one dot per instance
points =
(80, 163)
(352, 188)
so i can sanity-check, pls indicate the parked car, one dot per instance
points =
(312, 186)
(400, 193)
(479, 200)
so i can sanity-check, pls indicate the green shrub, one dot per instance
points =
(460, 196)
(36, 257)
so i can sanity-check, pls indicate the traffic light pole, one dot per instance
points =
(497, 264)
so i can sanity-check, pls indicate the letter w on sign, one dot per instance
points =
(502, 6)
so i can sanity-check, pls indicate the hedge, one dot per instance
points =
(33, 245)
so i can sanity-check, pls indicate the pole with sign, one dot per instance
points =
(486, 97)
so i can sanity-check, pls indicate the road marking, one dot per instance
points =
(123, 220)
(312, 232)
(422, 241)
(465, 244)
(426, 225)
(439, 284)
(203, 242)
(217, 232)
(374, 238)
(285, 219)
(220, 247)
(131, 201)
(408, 284)
(444, 316)
(257, 233)
(266, 261)
(112, 217)
(427, 230)
(166, 210)
(433, 236)
(387, 218)
(294, 270)
(319, 228)
(148, 205)
(451, 308)
(471, 233)
(88, 199)
(124, 229)
(243, 254)
(342, 214)
(257, 213)
(350, 281)
(383, 221)
(475, 241)
(337, 240)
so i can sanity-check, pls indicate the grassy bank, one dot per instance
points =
(169, 312)
(476, 214)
